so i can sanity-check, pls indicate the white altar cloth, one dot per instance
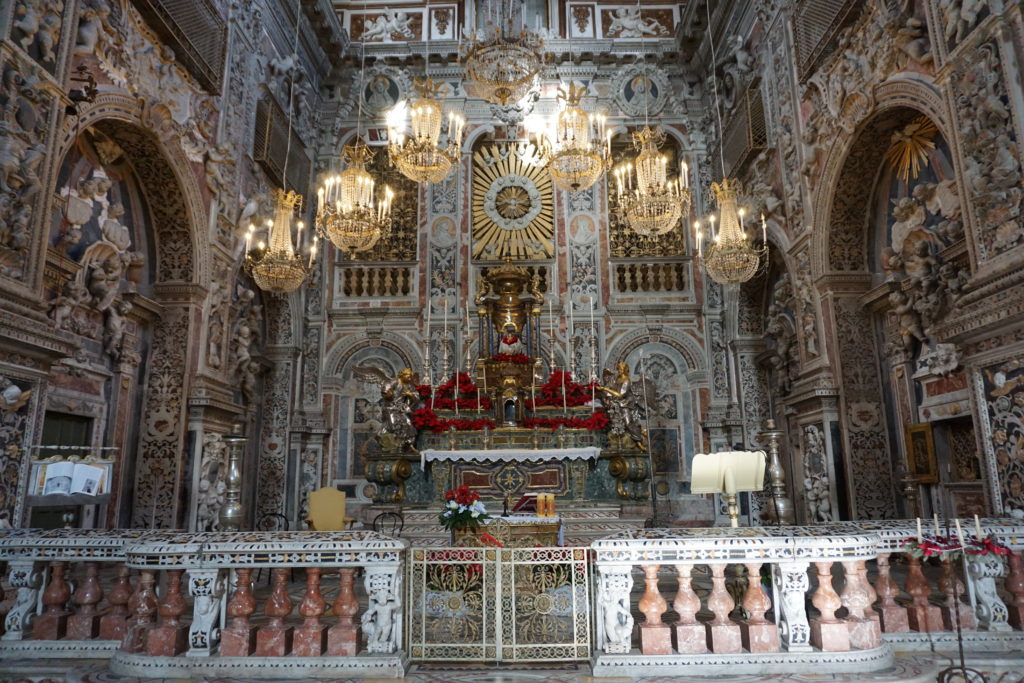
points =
(511, 455)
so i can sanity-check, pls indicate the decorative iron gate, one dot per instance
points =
(508, 604)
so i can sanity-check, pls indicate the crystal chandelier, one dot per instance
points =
(276, 265)
(350, 212)
(577, 150)
(502, 61)
(648, 201)
(422, 156)
(730, 257)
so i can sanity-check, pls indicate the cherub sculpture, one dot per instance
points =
(626, 402)
(398, 399)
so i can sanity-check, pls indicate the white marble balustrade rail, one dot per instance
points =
(837, 556)
(146, 631)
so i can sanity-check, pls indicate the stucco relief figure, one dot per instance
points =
(613, 603)
(12, 150)
(378, 621)
(627, 22)
(909, 320)
(626, 402)
(63, 306)
(12, 397)
(959, 17)
(384, 26)
(398, 400)
(113, 335)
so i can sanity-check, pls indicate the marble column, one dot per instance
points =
(238, 638)
(893, 617)
(655, 636)
(827, 632)
(759, 634)
(723, 634)
(691, 637)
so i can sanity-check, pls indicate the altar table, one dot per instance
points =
(510, 455)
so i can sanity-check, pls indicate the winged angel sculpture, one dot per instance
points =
(626, 402)
(398, 399)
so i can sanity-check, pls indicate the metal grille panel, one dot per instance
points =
(270, 145)
(747, 134)
(508, 604)
(195, 31)
(815, 25)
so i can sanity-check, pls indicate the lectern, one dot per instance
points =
(728, 472)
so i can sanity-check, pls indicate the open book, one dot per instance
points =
(65, 477)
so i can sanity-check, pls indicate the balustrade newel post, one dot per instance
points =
(84, 624)
(52, 624)
(343, 637)
(614, 620)
(310, 638)
(206, 587)
(655, 637)
(24, 575)
(691, 638)
(759, 634)
(238, 638)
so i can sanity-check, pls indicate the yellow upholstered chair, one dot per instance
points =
(327, 510)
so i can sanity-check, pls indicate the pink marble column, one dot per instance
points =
(142, 606)
(893, 617)
(311, 638)
(827, 632)
(691, 636)
(759, 634)
(170, 637)
(275, 639)
(723, 635)
(922, 616)
(53, 622)
(862, 623)
(112, 624)
(238, 639)
(1014, 584)
(949, 609)
(343, 637)
(655, 637)
(84, 624)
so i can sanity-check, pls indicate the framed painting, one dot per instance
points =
(921, 453)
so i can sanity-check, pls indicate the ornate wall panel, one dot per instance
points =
(1002, 388)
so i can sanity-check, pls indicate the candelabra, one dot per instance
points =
(350, 212)
(730, 257)
(275, 265)
(782, 506)
(577, 148)
(423, 156)
(647, 200)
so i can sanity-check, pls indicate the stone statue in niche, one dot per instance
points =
(909, 320)
(244, 367)
(220, 169)
(113, 336)
(39, 21)
(780, 331)
(74, 294)
(212, 483)
(959, 17)
(912, 35)
(817, 491)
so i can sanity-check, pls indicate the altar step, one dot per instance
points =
(582, 525)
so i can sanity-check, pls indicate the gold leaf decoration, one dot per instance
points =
(910, 145)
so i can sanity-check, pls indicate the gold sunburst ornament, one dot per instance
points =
(910, 146)
(276, 265)
(577, 147)
(424, 156)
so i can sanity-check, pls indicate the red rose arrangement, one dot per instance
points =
(462, 509)
(426, 419)
(550, 394)
(597, 421)
(469, 397)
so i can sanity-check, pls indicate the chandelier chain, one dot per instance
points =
(714, 87)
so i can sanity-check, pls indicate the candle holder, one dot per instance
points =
(231, 512)
(782, 506)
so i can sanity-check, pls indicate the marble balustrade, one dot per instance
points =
(841, 597)
(152, 601)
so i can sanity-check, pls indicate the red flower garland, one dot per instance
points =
(550, 394)
(426, 419)
(597, 421)
(517, 358)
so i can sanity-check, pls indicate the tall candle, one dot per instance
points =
(551, 317)
(959, 531)
(568, 340)
(977, 527)
(935, 518)
(920, 534)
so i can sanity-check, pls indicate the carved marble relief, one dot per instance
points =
(271, 486)
(36, 29)
(1003, 387)
(15, 428)
(816, 482)
(209, 496)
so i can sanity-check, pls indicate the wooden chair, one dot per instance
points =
(327, 510)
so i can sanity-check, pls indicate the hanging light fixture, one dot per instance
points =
(577, 148)
(647, 200)
(350, 212)
(276, 265)
(423, 156)
(502, 61)
(730, 256)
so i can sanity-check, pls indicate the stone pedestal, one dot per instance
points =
(967, 620)
(691, 639)
(656, 639)
(893, 618)
(725, 638)
(830, 636)
(309, 642)
(760, 637)
(50, 626)
(236, 642)
(166, 640)
(925, 619)
(84, 627)
(342, 641)
(113, 623)
(275, 642)
(865, 634)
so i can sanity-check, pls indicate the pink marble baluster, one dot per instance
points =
(343, 637)
(759, 634)
(238, 639)
(52, 623)
(828, 632)
(861, 623)
(655, 637)
(893, 617)
(691, 636)
(311, 638)
(922, 616)
(723, 635)
(84, 624)
(170, 637)
(142, 606)
(274, 639)
(1014, 584)
(112, 624)
(949, 608)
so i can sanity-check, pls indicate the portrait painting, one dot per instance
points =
(921, 453)
(380, 93)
